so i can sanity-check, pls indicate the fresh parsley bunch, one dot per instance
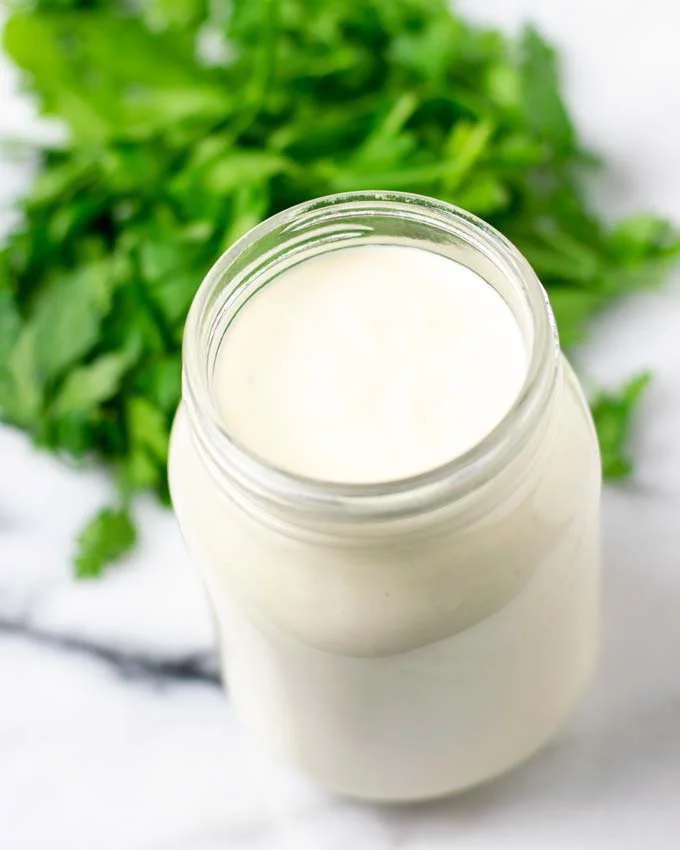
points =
(189, 121)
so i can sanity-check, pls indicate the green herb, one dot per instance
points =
(613, 419)
(188, 122)
(106, 537)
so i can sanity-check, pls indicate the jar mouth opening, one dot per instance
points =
(344, 220)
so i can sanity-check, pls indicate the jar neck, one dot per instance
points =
(348, 220)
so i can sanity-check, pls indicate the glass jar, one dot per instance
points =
(407, 639)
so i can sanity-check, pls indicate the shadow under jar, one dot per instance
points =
(405, 639)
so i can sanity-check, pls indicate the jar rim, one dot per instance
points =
(255, 478)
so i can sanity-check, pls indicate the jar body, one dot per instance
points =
(424, 658)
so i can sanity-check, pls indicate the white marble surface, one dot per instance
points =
(113, 733)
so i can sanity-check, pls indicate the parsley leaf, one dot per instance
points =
(106, 538)
(613, 415)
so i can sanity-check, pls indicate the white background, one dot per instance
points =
(89, 759)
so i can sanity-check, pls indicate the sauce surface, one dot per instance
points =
(369, 364)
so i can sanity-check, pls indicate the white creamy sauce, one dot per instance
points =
(368, 364)
(399, 664)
